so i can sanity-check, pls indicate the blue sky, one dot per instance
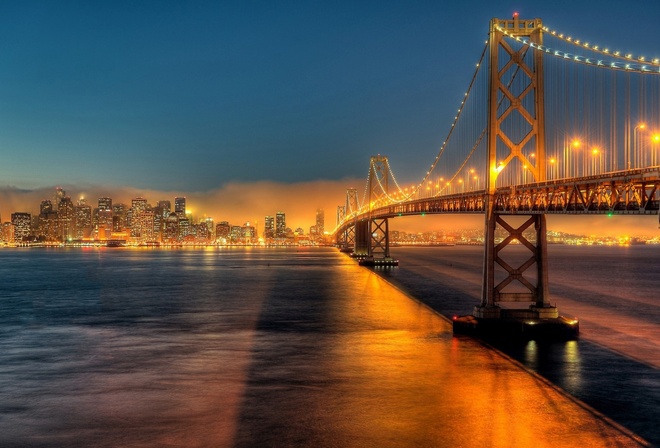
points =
(191, 96)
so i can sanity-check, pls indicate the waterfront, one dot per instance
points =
(258, 347)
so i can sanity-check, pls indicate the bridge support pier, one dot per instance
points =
(361, 249)
(515, 299)
(379, 244)
(346, 239)
(521, 279)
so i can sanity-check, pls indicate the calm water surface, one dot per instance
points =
(614, 291)
(118, 347)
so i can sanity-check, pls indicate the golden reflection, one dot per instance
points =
(573, 373)
(531, 353)
(400, 375)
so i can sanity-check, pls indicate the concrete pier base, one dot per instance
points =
(559, 328)
(378, 262)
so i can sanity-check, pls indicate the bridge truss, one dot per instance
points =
(516, 170)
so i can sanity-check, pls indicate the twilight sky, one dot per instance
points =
(212, 98)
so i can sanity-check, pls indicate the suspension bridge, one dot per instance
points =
(550, 124)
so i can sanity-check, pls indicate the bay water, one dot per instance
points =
(302, 347)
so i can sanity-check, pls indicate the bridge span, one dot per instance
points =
(599, 152)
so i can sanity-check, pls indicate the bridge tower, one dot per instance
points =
(372, 234)
(346, 238)
(341, 236)
(516, 140)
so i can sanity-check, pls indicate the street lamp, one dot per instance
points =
(595, 152)
(553, 166)
(654, 156)
(634, 149)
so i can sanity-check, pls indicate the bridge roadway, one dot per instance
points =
(633, 192)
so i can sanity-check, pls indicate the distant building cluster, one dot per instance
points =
(61, 222)
(476, 237)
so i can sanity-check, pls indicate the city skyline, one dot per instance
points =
(243, 107)
(61, 218)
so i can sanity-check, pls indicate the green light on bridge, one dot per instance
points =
(423, 214)
(609, 215)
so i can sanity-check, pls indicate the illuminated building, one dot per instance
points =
(184, 228)
(249, 233)
(236, 234)
(320, 222)
(210, 228)
(166, 206)
(280, 225)
(82, 221)
(59, 195)
(46, 225)
(46, 206)
(202, 232)
(141, 225)
(105, 203)
(269, 227)
(161, 212)
(119, 217)
(148, 226)
(21, 223)
(7, 232)
(65, 219)
(171, 229)
(103, 221)
(180, 207)
(222, 232)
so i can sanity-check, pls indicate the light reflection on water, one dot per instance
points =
(252, 348)
(614, 366)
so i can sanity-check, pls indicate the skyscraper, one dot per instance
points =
(82, 224)
(166, 206)
(180, 207)
(222, 232)
(65, 219)
(280, 225)
(320, 222)
(105, 203)
(269, 227)
(104, 217)
(141, 225)
(22, 226)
